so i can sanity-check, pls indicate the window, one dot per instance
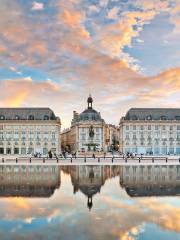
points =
(23, 135)
(156, 127)
(134, 136)
(16, 150)
(17, 117)
(45, 135)
(83, 136)
(97, 130)
(97, 136)
(38, 136)
(23, 150)
(134, 127)
(53, 135)
(127, 127)
(46, 117)
(1, 135)
(45, 151)
(171, 128)
(142, 127)
(2, 117)
(163, 118)
(134, 117)
(31, 117)
(177, 118)
(149, 117)
(127, 135)
(149, 127)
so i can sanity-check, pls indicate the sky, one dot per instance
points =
(126, 53)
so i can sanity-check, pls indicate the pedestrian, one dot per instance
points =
(93, 155)
(104, 155)
(50, 154)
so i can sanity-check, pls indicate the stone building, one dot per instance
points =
(87, 131)
(29, 130)
(112, 137)
(150, 131)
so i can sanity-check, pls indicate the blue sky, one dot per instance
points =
(114, 49)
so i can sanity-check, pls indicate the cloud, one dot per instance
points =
(37, 6)
(82, 53)
(113, 13)
(112, 38)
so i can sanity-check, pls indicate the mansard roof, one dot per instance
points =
(27, 114)
(153, 114)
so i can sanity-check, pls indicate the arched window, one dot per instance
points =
(31, 117)
(149, 117)
(2, 117)
(46, 117)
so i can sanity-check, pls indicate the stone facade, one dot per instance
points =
(150, 131)
(29, 130)
(112, 137)
(87, 131)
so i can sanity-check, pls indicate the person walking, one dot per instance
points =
(50, 154)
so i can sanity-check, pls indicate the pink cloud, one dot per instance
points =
(37, 6)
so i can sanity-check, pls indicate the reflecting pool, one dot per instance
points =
(90, 202)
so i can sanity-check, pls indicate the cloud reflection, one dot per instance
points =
(114, 214)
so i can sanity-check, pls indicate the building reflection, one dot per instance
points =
(141, 181)
(138, 181)
(42, 181)
(29, 181)
(90, 179)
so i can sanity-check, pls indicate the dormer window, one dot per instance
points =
(134, 117)
(17, 117)
(2, 117)
(31, 117)
(149, 117)
(46, 117)
(163, 118)
(177, 118)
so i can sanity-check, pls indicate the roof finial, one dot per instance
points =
(89, 101)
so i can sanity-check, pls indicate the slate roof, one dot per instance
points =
(153, 114)
(90, 114)
(27, 114)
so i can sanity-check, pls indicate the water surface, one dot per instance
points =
(90, 202)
